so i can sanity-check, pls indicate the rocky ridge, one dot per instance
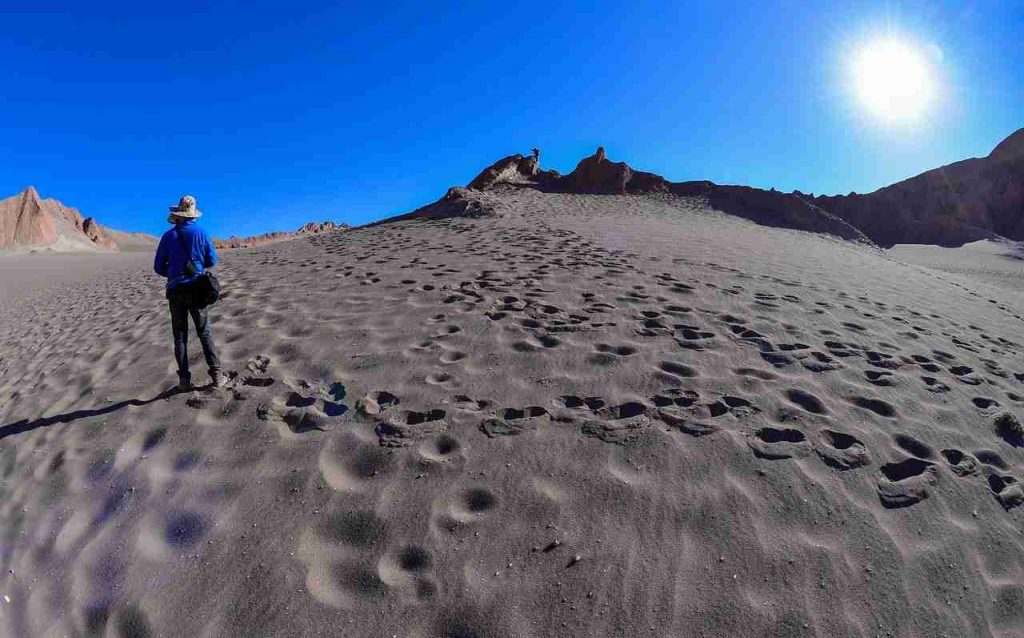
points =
(311, 228)
(972, 199)
(599, 176)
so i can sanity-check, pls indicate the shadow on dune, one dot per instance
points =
(25, 425)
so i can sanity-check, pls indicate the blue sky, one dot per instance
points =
(274, 114)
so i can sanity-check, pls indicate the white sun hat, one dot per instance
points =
(186, 208)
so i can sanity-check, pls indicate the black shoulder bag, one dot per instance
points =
(206, 289)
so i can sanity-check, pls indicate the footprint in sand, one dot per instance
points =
(442, 448)
(934, 385)
(349, 464)
(806, 400)
(478, 500)
(438, 378)
(464, 402)
(675, 372)
(513, 421)
(605, 354)
(912, 446)
(699, 419)
(877, 406)
(960, 463)
(675, 397)
(452, 356)
(358, 528)
(407, 571)
(309, 407)
(985, 404)
(693, 337)
(880, 378)
(377, 402)
(1007, 490)
(763, 375)
(183, 530)
(992, 459)
(906, 482)
(841, 450)
(620, 424)
(573, 402)
(536, 343)
(1009, 428)
(778, 443)
(409, 427)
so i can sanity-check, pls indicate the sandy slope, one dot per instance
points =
(594, 416)
(999, 263)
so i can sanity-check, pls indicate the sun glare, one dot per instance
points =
(894, 80)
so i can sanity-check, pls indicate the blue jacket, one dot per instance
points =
(170, 258)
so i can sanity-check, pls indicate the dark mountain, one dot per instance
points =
(964, 201)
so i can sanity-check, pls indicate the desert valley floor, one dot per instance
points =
(586, 416)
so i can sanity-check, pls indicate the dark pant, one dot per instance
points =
(182, 306)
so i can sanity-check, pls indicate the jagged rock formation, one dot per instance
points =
(24, 222)
(972, 199)
(28, 222)
(94, 232)
(514, 169)
(964, 201)
(598, 175)
(311, 228)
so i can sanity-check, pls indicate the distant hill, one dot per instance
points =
(312, 228)
(29, 223)
(965, 201)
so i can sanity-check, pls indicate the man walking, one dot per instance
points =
(184, 254)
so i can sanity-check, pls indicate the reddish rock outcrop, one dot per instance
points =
(95, 233)
(311, 228)
(597, 174)
(514, 169)
(25, 222)
(29, 222)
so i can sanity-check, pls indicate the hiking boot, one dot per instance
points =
(184, 385)
(217, 379)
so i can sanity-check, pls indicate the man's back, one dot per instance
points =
(171, 257)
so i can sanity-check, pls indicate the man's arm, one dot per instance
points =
(160, 262)
(210, 253)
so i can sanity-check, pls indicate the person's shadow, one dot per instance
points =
(25, 425)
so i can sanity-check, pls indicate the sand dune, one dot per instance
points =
(592, 415)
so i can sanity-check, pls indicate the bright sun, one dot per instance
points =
(894, 80)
